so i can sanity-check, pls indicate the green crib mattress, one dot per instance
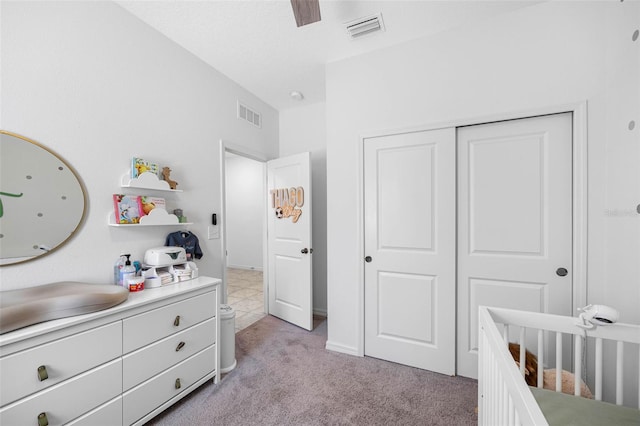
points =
(568, 410)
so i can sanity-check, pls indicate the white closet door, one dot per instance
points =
(409, 190)
(514, 222)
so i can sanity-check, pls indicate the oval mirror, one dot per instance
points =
(42, 200)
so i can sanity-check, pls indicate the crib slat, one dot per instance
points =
(522, 349)
(494, 390)
(486, 391)
(599, 369)
(638, 379)
(511, 411)
(501, 402)
(505, 333)
(578, 365)
(558, 361)
(619, 378)
(540, 383)
(498, 399)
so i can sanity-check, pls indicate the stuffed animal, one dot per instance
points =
(549, 375)
(166, 172)
(568, 380)
(530, 364)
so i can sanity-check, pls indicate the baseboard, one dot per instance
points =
(320, 312)
(247, 268)
(336, 347)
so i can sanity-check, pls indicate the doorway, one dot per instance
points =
(512, 174)
(244, 204)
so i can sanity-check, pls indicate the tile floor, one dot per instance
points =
(245, 296)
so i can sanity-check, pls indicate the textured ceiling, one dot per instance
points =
(257, 44)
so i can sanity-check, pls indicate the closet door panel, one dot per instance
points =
(410, 243)
(514, 222)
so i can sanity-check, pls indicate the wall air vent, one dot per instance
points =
(364, 26)
(249, 114)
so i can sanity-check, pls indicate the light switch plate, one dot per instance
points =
(213, 232)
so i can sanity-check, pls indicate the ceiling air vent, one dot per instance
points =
(250, 115)
(364, 26)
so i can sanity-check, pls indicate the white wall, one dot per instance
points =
(245, 205)
(98, 86)
(303, 129)
(550, 54)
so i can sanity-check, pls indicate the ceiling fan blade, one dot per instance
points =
(306, 11)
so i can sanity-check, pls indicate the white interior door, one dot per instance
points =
(289, 239)
(409, 196)
(514, 222)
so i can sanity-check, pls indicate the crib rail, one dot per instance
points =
(503, 395)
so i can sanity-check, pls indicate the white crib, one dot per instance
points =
(503, 396)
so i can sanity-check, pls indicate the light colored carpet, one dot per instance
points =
(286, 377)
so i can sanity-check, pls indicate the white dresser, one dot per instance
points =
(118, 366)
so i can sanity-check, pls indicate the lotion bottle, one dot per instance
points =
(117, 268)
(128, 271)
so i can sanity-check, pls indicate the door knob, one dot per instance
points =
(561, 272)
(304, 250)
(368, 259)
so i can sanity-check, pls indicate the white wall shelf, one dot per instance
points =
(156, 217)
(146, 180)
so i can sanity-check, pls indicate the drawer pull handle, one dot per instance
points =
(42, 373)
(180, 346)
(176, 322)
(42, 419)
(178, 385)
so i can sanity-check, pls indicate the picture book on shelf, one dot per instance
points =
(140, 165)
(150, 203)
(127, 208)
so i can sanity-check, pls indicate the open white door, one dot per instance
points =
(289, 239)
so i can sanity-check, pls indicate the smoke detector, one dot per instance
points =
(296, 96)
(363, 26)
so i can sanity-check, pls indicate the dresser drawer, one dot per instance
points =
(61, 359)
(146, 362)
(67, 400)
(140, 330)
(109, 414)
(143, 399)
